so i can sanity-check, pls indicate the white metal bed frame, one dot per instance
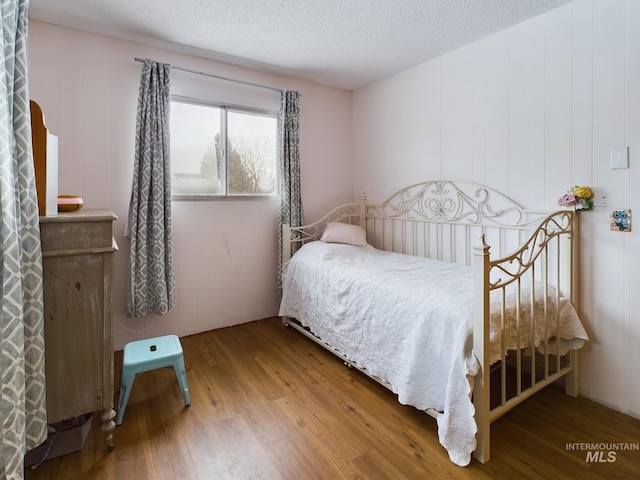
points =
(438, 219)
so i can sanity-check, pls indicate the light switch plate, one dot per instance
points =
(619, 158)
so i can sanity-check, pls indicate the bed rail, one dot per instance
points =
(426, 219)
(294, 237)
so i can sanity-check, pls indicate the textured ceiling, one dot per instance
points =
(341, 43)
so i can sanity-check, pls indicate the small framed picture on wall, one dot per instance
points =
(621, 220)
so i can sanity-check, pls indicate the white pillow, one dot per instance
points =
(337, 232)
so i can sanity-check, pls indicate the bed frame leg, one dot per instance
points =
(571, 379)
(480, 454)
(481, 349)
(481, 404)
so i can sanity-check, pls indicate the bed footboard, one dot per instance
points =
(539, 278)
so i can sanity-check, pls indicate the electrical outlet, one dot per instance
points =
(600, 200)
(606, 197)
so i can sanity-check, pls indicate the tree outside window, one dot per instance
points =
(222, 151)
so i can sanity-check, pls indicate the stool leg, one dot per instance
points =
(181, 373)
(126, 382)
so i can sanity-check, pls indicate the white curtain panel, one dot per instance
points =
(151, 273)
(22, 402)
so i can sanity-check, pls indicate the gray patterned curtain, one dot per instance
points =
(151, 274)
(22, 401)
(290, 197)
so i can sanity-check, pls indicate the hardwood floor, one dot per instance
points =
(266, 403)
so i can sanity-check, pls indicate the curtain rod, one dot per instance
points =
(175, 67)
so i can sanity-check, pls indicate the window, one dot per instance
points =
(222, 150)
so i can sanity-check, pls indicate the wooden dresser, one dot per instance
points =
(78, 253)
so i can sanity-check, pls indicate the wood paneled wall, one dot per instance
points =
(532, 111)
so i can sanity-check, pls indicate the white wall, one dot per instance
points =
(532, 111)
(225, 252)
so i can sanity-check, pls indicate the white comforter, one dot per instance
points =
(405, 319)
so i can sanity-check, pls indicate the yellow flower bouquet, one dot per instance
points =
(580, 196)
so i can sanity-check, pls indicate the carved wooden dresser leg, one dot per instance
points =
(108, 426)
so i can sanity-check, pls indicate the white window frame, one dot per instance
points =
(225, 108)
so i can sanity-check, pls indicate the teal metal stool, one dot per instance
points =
(150, 354)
